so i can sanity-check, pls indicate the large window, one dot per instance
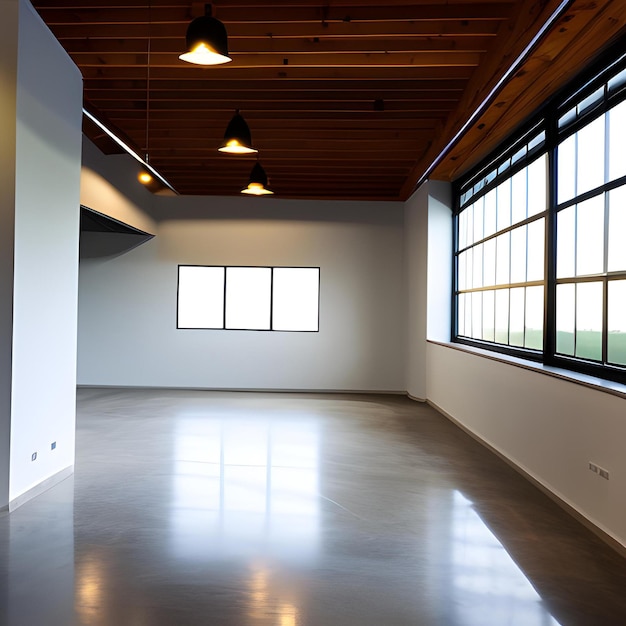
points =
(248, 298)
(540, 263)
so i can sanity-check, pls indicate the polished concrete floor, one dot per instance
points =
(246, 509)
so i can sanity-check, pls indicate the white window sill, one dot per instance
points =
(599, 384)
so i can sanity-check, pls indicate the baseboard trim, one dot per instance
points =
(248, 389)
(415, 398)
(40, 488)
(568, 508)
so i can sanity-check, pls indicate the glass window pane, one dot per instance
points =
(537, 186)
(533, 326)
(488, 315)
(477, 262)
(460, 317)
(461, 271)
(518, 197)
(591, 100)
(503, 259)
(200, 297)
(590, 161)
(616, 343)
(536, 253)
(248, 296)
(516, 323)
(565, 318)
(502, 316)
(478, 219)
(462, 222)
(566, 243)
(468, 315)
(477, 315)
(617, 229)
(470, 224)
(503, 194)
(490, 213)
(589, 320)
(566, 182)
(295, 301)
(617, 141)
(518, 255)
(590, 236)
(489, 262)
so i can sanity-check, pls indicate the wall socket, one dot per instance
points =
(596, 469)
(33, 456)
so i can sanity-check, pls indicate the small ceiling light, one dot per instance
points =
(237, 138)
(207, 41)
(145, 178)
(257, 185)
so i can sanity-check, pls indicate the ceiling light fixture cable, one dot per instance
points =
(144, 176)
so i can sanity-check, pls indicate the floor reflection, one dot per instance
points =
(242, 485)
(485, 579)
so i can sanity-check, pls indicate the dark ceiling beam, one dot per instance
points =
(425, 58)
(274, 15)
(283, 73)
(335, 30)
(284, 46)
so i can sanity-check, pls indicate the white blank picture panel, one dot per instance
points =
(295, 303)
(248, 298)
(200, 297)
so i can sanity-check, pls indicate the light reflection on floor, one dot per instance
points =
(242, 486)
(485, 579)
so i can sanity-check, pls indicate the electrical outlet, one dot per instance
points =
(603, 473)
(593, 467)
(53, 445)
(33, 456)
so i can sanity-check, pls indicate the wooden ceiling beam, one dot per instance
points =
(436, 107)
(312, 126)
(274, 15)
(425, 58)
(259, 95)
(334, 30)
(283, 73)
(274, 87)
(284, 46)
(197, 7)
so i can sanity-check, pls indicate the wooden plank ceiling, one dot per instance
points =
(345, 99)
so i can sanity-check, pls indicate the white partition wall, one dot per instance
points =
(41, 121)
(127, 323)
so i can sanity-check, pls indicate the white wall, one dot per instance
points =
(127, 310)
(47, 166)
(8, 73)
(416, 265)
(551, 428)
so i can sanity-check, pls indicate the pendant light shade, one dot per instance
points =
(207, 41)
(257, 185)
(237, 138)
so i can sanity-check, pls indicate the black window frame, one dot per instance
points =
(264, 330)
(487, 175)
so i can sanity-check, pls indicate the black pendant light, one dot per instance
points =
(257, 185)
(237, 138)
(207, 41)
